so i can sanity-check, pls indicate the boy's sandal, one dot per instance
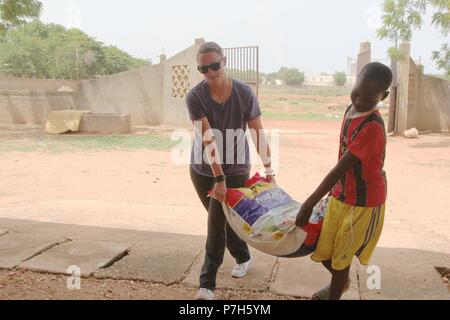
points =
(324, 293)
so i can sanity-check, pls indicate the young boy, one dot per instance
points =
(358, 187)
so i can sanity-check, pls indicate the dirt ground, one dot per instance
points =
(143, 189)
(26, 285)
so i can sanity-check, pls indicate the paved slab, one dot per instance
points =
(3, 232)
(87, 255)
(302, 277)
(17, 247)
(258, 278)
(162, 259)
(405, 274)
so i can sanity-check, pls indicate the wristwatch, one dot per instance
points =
(220, 179)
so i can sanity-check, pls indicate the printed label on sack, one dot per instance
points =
(252, 209)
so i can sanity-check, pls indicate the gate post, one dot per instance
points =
(364, 56)
(401, 116)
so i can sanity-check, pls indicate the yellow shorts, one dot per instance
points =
(349, 231)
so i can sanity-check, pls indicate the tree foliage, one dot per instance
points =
(51, 51)
(291, 76)
(340, 79)
(402, 17)
(14, 13)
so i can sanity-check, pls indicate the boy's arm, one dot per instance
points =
(347, 161)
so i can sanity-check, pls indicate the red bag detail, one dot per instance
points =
(313, 231)
(255, 179)
(233, 197)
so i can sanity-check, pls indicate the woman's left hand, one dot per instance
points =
(220, 191)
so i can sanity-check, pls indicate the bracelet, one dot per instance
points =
(269, 172)
(220, 179)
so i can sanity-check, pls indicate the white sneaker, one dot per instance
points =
(204, 294)
(241, 270)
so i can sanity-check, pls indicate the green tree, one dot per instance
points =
(340, 78)
(441, 15)
(442, 59)
(291, 76)
(14, 13)
(51, 51)
(118, 61)
(401, 17)
(441, 19)
(272, 76)
(244, 75)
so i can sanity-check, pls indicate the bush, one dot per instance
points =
(291, 76)
(340, 79)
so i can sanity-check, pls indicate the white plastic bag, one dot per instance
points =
(263, 215)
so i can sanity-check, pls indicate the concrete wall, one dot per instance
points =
(137, 92)
(174, 110)
(31, 107)
(10, 83)
(403, 118)
(434, 99)
(144, 93)
(322, 81)
(423, 102)
(28, 101)
(364, 56)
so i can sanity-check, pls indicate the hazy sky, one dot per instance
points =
(313, 36)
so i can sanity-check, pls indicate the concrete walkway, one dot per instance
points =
(176, 259)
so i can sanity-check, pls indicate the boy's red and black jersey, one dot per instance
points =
(364, 185)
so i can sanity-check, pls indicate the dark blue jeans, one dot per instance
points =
(220, 234)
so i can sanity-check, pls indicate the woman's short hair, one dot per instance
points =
(210, 47)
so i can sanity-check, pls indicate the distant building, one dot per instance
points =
(319, 81)
(279, 82)
(351, 67)
(272, 82)
(327, 81)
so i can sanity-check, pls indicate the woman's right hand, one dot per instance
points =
(220, 191)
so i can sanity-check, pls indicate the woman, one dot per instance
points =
(221, 108)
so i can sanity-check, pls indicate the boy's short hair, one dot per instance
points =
(379, 73)
(210, 47)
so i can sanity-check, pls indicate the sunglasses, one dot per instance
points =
(214, 67)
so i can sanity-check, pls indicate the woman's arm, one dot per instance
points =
(212, 152)
(260, 140)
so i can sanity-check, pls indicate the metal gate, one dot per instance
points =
(243, 64)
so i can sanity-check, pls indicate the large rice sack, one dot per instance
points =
(263, 215)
